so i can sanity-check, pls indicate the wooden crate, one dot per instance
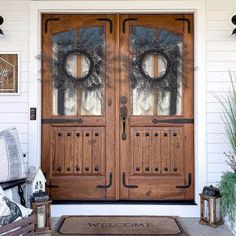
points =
(21, 227)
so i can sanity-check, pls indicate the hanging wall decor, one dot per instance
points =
(165, 48)
(9, 66)
(1, 22)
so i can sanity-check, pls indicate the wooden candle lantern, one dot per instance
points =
(42, 211)
(211, 207)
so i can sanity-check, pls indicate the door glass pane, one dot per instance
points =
(78, 72)
(156, 71)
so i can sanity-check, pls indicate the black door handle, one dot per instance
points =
(123, 113)
(127, 185)
(189, 182)
(108, 185)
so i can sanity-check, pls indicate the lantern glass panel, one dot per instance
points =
(41, 216)
(218, 215)
(205, 210)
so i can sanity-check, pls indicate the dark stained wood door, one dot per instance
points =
(156, 156)
(117, 106)
(78, 112)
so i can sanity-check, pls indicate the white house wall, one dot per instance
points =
(221, 57)
(14, 109)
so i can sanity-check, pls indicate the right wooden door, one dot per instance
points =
(157, 108)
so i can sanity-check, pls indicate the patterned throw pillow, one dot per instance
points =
(11, 211)
(11, 157)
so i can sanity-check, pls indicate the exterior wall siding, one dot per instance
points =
(221, 58)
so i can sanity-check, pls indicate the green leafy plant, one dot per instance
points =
(228, 180)
(226, 186)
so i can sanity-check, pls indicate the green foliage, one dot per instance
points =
(229, 116)
(228, 180)
(226, 186)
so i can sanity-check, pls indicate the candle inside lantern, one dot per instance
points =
(41, 217)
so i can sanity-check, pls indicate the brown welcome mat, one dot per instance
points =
(119, 225)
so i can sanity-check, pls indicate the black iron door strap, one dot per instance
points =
(125, 20)
(174, 121)
(189, 182)
(108, 20)
(108, 185)
(60, 121)
(127, 185)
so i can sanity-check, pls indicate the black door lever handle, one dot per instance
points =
(123, 113)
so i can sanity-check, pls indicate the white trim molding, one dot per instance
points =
(198, 8)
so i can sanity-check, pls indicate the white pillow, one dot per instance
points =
(11, 156)
(11, 211)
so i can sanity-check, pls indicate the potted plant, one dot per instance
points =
(227, 184)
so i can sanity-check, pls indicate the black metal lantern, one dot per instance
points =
(211, 207)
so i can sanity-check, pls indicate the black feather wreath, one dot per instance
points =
(91, 47)
(165, 44)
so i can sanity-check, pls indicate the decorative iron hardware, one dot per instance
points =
(61, 121)
(1, 22)
(108, 185)
(174, 121)
(189, 182)
(47, 21)
(108, 20)
(185, 20)
(124, 22)
(52, 186)
(123, 113)
(234, 22)
(127, 185)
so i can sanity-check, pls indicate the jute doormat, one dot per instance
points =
(119, 225)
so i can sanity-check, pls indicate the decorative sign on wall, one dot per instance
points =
(9, 73)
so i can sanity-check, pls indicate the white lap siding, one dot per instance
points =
(221, 58)
(14, 108)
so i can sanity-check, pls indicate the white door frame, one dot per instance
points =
(125, 6)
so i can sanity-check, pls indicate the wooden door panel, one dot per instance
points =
(157, 151)
(77, 188)
(159, 129)
(91, 148)
(78, 151)
(77, 158)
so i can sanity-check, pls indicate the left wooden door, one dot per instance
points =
(77, 112)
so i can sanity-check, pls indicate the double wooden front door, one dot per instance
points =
(117, 106)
